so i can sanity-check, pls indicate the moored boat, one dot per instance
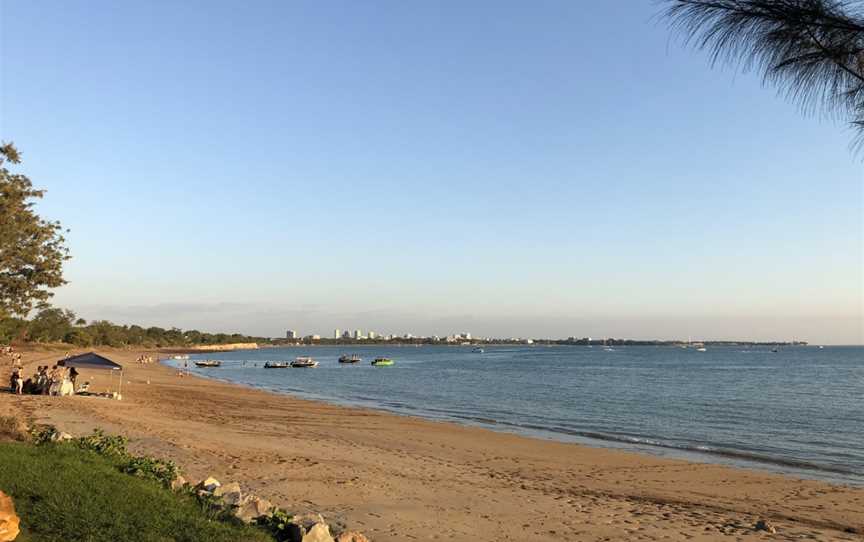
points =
(276, 365)
(382, 362)
(354, 358)
(304, 362)
(208, 363)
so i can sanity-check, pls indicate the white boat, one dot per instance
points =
(701, 349)
(208, 363)
(304, 362)
(180, 356)
(276, 365)
(478, 350)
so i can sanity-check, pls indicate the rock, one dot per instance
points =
(60, 436)
(8, 519)
(210, 485)
(351, 536)
(309, 528)
(320, 532)
(307, 520)
(253, 507)
(178, 483)
(229, 493)
(765, 525)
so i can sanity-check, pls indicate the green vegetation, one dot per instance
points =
(67, 492)
(32, 249)
(53, 325)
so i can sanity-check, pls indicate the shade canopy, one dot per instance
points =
(90, 360)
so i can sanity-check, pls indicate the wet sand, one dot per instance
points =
(398, 478)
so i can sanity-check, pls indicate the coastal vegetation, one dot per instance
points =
(92, 488)
(67, 491)
(812, 50)
(53, 325)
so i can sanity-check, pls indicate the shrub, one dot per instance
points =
(112, 446)
(276, 524)
(42, 434)
(162, 470)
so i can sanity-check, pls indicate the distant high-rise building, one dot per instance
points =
(336, 333)
(346, 334)
(372, 335)
(358, 334)
(291, 334)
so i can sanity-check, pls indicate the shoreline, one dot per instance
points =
(696, 451)
(727, 458)
(399, 477)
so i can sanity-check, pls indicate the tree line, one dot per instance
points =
(53, 325)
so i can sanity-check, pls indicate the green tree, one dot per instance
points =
(78, 337)
(51, 325)
(32, 249)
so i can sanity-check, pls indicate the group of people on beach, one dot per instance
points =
(59, 381)
(144, 360)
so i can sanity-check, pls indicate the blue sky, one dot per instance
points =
(505, 168)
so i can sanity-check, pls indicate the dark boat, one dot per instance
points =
(276, 365)
(354, 358)
(208, 363)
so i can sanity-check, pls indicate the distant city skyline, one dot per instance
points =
(504, 167)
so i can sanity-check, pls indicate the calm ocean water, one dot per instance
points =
(797, 411)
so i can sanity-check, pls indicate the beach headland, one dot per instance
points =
(400, 478)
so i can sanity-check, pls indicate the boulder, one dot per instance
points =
(351, 536)
(320, 532)
(765, 525)
(8, 519)
(62, 436)
(309, 528)
(178, 483)
(253, 507)
(229, 493)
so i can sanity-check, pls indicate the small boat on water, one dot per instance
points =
(382, 362)
(208, 363)
(354, 358)
(180, 356)
(304, 362)
(701, 349)
(276, 365)
(478, 350)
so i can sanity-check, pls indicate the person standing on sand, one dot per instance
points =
(55, 378)
(19, 383)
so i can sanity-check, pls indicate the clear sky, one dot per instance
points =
(546, 168)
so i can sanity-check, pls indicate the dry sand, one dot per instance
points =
(399, 478)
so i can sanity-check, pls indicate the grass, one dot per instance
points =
(62, 492)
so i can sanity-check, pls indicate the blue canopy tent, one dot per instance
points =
(92, 360)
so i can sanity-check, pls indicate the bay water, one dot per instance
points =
(799, 410)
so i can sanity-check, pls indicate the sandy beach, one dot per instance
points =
(398, 478)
